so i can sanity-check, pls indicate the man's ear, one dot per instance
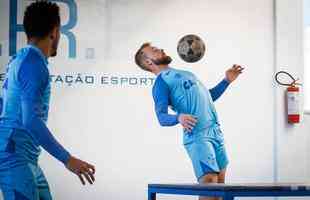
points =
(53, 33)
(149, 62)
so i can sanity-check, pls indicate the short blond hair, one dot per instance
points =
(139, 56)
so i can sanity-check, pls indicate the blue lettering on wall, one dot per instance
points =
(14, 27)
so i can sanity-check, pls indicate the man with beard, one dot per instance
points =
(193, 104)
(26, 94)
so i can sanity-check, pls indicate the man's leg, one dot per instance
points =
(44, 190)
(209, 178)
(203, 156)
(222, 175)
(41, 183)
(18, 184)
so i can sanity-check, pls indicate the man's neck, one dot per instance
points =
(160, 69)
(40, 44)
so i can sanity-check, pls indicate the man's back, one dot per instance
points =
(26, 61)
(15, 138)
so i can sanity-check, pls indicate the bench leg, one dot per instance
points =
(151, 196)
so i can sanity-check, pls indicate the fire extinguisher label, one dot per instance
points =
(293, 103)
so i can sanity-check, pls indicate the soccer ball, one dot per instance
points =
(191, 48)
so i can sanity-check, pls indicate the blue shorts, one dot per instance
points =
(21, 178)
(25, 182)
(208, 153)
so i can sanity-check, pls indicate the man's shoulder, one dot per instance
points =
(22, 58)
(169, 74)
(159, 83)
(158, 80)
(30, 56)
(29, 65)
(174, 75)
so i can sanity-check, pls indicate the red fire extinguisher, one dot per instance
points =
(292, 98)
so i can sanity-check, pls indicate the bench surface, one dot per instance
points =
(234, 187)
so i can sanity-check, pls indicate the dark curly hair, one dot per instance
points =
(40, 18)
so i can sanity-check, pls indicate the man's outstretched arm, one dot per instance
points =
(230, 75)
(219, 89)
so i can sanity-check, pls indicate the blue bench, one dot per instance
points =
(229, 191)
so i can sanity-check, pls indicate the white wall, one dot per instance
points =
(114, 126)
(306, 9)
(292, 141)
(292, 147)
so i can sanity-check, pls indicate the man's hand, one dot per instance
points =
(82, 169)
(233, 73)
(187, 121)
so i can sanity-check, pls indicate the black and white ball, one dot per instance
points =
(191, 48)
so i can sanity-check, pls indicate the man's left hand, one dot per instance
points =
(233, 73)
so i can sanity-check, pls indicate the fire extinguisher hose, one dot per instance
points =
(293, 83)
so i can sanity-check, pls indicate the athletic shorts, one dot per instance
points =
(208, 153)
(21, 178)
(25, 182)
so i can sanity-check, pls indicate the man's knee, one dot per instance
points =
(209, 178)
(222, 175)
